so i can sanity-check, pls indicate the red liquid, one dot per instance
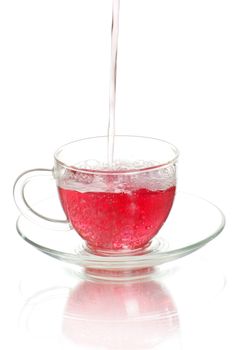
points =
(114, 221)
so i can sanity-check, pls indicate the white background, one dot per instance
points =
(174, 83)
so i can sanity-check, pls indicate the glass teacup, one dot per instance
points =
(117, 208)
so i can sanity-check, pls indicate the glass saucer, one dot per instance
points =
(192, 223)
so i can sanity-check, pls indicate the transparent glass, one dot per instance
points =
(192, 223)
(116, 208)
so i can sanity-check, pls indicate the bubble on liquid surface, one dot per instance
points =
(117, 165)
(78, 176)
(152, 179)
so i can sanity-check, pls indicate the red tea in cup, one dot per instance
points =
(116, 221)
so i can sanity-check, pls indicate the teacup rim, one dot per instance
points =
(173, 160)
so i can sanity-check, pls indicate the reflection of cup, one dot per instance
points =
(117, 208)
(138, 315)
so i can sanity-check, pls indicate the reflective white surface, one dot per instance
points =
(181, 305)
(174, 83)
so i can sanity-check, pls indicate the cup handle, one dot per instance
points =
(25, 208)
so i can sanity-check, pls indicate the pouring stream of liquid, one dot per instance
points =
(113, 79)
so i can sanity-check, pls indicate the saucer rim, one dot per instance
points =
(151, 258)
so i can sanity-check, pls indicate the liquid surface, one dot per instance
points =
(115, 221)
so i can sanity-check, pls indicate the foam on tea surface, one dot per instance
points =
(116, 165)
(121, 176)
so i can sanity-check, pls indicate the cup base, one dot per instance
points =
(129, 274)
(123, 252)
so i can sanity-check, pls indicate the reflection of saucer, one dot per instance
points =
(99, 315)
(65, 312)
(139, 315)
(193, 222)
